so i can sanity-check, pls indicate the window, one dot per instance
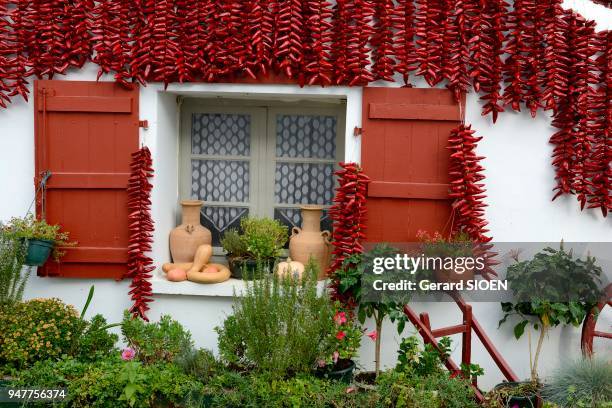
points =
(259, 158)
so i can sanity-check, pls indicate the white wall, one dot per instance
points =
(519, 181)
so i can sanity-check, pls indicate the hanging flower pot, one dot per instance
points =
(38, 251)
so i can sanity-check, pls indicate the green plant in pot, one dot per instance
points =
(256, 248)
(340, 347)
(42, 239)
(553, 288)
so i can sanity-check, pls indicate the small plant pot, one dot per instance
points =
(38, 252)
(344, 374)
(248, 268)
(518, 401)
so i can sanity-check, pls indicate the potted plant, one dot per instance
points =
(340, 347)
(42, 239)
(448, 250)
(551, 289)
(257, 248)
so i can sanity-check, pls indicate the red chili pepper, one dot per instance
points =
(140, 265)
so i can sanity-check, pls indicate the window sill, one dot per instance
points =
(229, 288)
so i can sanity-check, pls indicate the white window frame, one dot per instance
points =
(262, 148)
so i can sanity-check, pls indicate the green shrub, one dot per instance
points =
(233, 243)
(234, 390)
(155, 342)
(581, 383)
(278, 325)
(407, 390)
(12, 276)
(36, 330)
(112, 383)
(264, 237)
(198, 363)
(95, 342)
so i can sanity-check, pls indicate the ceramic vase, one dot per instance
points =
(187, 237)
(310, 241)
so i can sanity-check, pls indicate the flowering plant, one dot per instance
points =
(342, 343)
(458, 244)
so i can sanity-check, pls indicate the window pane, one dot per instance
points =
(306, 136)
(221, 134)
(304, 183)
(220, 180)
(220, 219)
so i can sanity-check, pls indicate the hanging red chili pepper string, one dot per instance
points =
(348, 216)
(139, 265)
(555, 58)
(404, 39)
(340, 41)
(533, 51)
(598, 164)
(430, 31)
(383, 65)
(513, 66)
(488, 73)
(260, 27)
(455, 46)
(358, 51)
(288, 45)
(141, 64)
(318, 67)
(468, 193)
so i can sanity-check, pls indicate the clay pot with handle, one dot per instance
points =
(310, 241)
(190, 235)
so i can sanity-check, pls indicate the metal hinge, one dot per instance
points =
(143, 124)
(358, 131)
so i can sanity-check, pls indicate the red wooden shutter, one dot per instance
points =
(404, 151)
(85, 133)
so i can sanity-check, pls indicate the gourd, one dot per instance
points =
(293, 268)
(213, 273)
(176, 275)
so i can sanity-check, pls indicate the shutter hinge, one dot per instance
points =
(143, 124)
(358, 131)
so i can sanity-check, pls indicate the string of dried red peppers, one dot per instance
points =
(141, 228)
(530, 54)
(348, 216)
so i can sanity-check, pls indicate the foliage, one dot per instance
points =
(261, 390)
(155, 342)
(355, 277)
(426, 361)
(342, 343)
(586, 382)
(36, 330)
(459, 244)
(42, 329)
(261, 238)
(500, 395)
(234, 244)
(555, 288)
(198, 363)
(112, 382)
(405, 389)
(12, 276)
(264, 237)
(95, 341)
(31, 228)
(278, 325)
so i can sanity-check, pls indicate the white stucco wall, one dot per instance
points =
(519, 183)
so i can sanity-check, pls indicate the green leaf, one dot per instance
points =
(519, 329)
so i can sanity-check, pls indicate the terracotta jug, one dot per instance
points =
(187, 237)
(310, 241)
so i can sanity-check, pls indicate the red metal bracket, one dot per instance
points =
(143, 124)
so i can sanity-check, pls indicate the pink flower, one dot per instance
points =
(373, 335)
(350, 390)
(340, 335)
(335, 357)
(128, 354)
(321, 363)
(340, 318)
